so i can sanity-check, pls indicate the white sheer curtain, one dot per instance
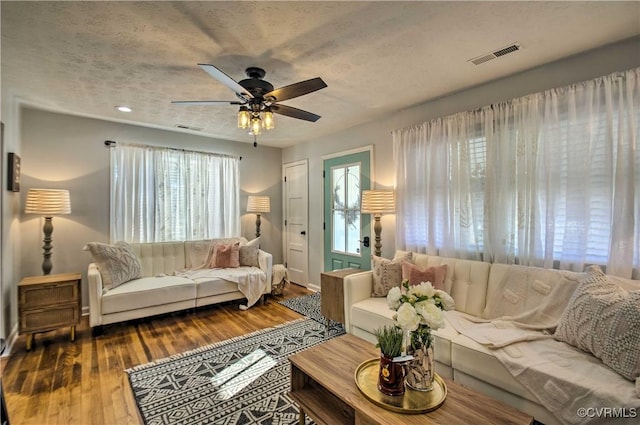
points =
(163, 194)
(550, 179)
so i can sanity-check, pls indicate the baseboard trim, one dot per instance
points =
(11, 339)
(13, 335)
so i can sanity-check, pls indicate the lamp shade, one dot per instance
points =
(258, 204)
(378, 202)
(48, 202)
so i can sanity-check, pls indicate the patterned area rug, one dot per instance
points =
(309, 305)
(243, 380)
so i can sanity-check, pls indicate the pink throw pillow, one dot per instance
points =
(436, 274)
(225, 256)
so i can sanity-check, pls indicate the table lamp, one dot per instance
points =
(258, 205)
(47, 202)
(378, 202)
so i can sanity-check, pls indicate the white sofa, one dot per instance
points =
(159, 290)
(459, 357)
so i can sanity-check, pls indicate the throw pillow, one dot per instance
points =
(249, 256)
(117, 263)
(386, 273)
(604, 319)
(225, 256)
(436, 274)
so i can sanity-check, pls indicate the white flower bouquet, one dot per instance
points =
(419, 309)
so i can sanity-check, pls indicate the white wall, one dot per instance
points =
(10, 225)
(68, 152)
(618, 57)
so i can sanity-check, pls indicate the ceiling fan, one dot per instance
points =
(258, 99)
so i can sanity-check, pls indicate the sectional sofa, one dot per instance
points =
(558, 378)
(166, 285)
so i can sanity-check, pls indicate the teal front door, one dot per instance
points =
(345, 229)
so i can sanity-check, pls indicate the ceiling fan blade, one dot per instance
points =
(225, 79)
(206, 102)
(295, 90)
(294, 113)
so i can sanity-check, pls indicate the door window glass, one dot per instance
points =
(345, 184)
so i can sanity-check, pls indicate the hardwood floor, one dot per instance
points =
(83, 382)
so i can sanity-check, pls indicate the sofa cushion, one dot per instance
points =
(442, 343)
(466, 282)
(371, 314)
(148, 292)
(416, 275)
(160, 257)
(208, 287)
(477, 360)
(386, 273)
(225, 256)
(249, 255)
(117, 263)
(604, 319)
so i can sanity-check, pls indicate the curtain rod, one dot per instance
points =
(110, 143)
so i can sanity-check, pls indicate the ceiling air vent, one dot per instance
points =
(186, 127)
(496, 54)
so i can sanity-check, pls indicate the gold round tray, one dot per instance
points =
(412, 401)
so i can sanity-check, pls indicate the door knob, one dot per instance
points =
(303, 232)
(365, 241)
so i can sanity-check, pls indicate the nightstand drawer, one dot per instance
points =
(49, 294)
(34, 320)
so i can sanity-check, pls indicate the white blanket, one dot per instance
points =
(561, 377)
(531, 297)
(252, 281)
(518, 325)
(565, 380)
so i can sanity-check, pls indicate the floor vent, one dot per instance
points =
(496, 54)
(186, 127)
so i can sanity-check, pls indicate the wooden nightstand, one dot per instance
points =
(49, 302)
(332, 300)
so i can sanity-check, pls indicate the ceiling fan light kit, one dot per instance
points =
(244, 118)
(258, 99)
(268, 122)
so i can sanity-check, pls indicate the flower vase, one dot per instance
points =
(390, 377)
(420, 372)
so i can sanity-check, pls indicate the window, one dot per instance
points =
(550, 179)
(162, 194)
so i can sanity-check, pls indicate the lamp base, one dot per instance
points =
(257, 225)
(47, 230)
(377, 228)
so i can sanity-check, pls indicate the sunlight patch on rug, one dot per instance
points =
(237, 376)
(243, 380)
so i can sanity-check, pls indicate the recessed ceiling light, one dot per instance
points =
(124, 109)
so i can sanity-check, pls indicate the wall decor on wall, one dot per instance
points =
(13, 167)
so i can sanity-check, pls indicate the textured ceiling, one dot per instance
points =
(376, 57)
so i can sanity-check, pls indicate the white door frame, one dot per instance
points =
(368, 148)
(285, 239)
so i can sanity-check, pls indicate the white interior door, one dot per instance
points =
(296, 220)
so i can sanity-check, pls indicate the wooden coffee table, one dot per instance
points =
(323, 385)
